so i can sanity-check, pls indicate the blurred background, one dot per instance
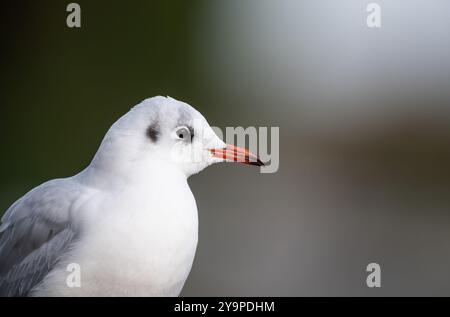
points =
(364, 117)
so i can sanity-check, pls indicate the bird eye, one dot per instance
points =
(184, 133)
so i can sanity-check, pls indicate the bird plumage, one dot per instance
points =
(128, 220)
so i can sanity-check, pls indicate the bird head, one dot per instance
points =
(170, 133)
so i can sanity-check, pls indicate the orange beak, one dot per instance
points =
(237, 154)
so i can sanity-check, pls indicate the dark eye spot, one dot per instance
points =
(153, 132)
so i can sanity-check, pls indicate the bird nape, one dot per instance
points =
(127, 224)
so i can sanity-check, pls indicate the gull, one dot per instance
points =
(127, 224)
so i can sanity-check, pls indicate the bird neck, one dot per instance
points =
(146, 172)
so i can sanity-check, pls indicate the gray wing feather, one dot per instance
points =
(28, 273)
(35, 233)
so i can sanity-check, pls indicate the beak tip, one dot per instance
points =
(257, 163)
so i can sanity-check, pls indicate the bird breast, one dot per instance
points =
(141, 244)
